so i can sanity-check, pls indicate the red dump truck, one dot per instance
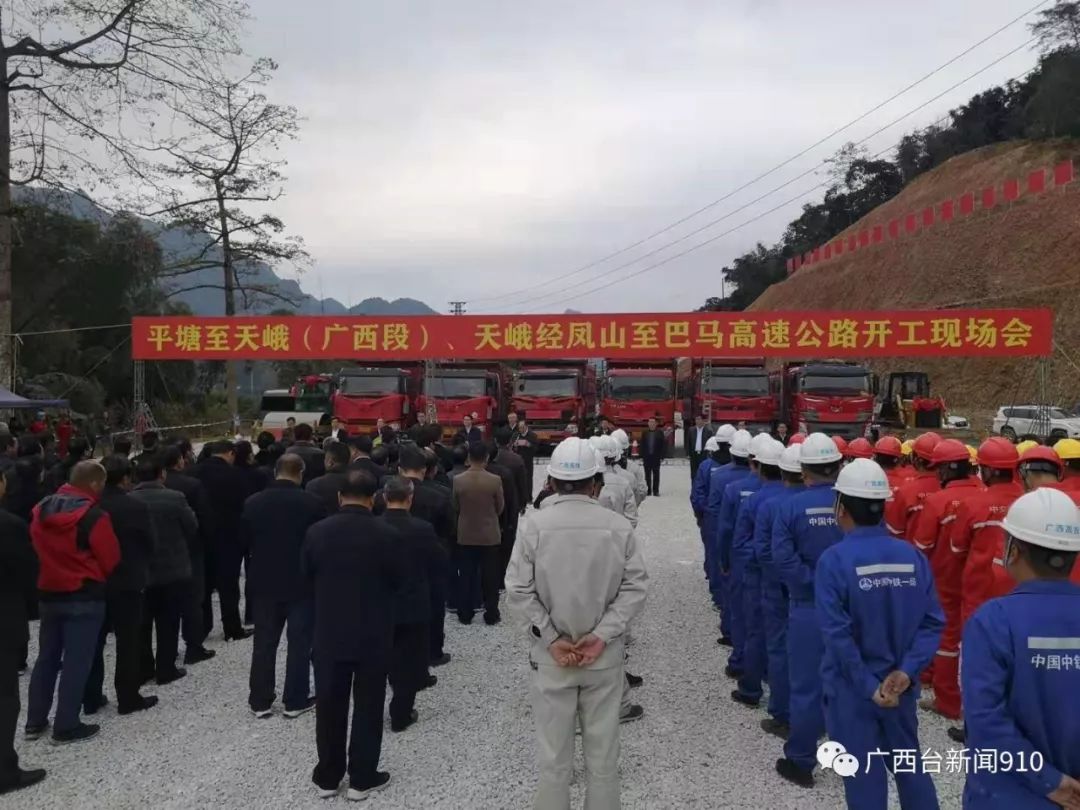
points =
(460, 389)
(366, 394)
(733, 391)
(635, 390)
(829, 397)
(558, 398)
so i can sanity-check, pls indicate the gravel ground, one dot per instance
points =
(473, 748)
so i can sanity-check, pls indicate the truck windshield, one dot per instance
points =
(830, 384)
(371, 385)
(739, 386)
(648, 388)
(458, 387)
(277, 403)
(547, 386)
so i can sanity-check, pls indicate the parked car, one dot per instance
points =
(1040, 421)
(956, 423)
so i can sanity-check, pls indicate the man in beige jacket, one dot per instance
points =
(478, 503)
(577, 579)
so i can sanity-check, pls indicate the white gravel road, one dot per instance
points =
(473, 749)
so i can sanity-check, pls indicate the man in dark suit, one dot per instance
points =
(352, 562)
(525, 444)
(696, 437)
(508, 459)
(469, 433)
(311, 453)
(424, 558)
(18, 589)
(338, 431)
(653, 449)
(192, 623)
(361, 448)
(327, 486)
(275, 522)
(124, 593)
(479, 501)
(226, 488)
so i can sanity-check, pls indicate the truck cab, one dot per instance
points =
(367, 394)
(635, 391)
(733, 391)
(835, 398)
(557, 399)
(457, 391)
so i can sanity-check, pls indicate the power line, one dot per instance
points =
(539, 298)
(768, 173)
(72, 329)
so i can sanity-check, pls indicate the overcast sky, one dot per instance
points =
(467, 149)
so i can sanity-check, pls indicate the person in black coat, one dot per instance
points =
(469, 433)
(526, 444)
(360, 450)
(352, 561)
(311, 453)
(275, 522)
(124, 594)
(653, 448)
(326, 487)
(18, 588)
(30, 471)
(696, 438)
(226, 488)
(424, 559)
(192, 623)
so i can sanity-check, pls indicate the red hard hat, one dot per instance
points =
(796, 438)
(1042, 453)
(889, 446)
(998, 453)
(841, 444)
(924, 446)
(949, 450)
(859, 448)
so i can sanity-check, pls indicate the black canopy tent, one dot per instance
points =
(12, 401)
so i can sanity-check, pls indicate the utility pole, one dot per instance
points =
(457, 307)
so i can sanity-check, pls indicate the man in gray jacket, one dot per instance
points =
(577, 579)
(176, 532)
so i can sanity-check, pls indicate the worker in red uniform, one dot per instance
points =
(1042, 467)
(1068, 451)
(888, 453)
(976, 544)
(859, 448)
(903, 510)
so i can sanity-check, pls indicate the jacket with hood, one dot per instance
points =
(75, 544)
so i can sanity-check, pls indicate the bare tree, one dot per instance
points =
(222, 172)
(79, 79)
(1058, 27)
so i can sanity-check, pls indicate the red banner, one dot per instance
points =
(815, 334)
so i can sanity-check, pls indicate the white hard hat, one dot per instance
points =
(863, 478)
(573, 459)
(819, 449)
(789, 459)
(601, 462)
(1046, 517)
(725, 434)
(769, 452)
(712, 445)
(597, 442)
(621, 439)
(610, 448)
(759, 443)
(740, 444)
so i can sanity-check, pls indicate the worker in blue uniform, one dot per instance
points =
(719, 478)
(774, 599)
(804, 527)
(746, 568)
(1020, 667)
(735, 495)
(718, 450)
(881, 622)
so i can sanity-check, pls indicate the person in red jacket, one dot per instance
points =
(77, 549)
(1043, 467)
(889, 452)
(902, 511)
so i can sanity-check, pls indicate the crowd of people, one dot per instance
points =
(849, 576)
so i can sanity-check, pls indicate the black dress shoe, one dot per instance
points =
(239, 635)
(745, 700)
(492, 620)
(634, 681)
(957, 734)
(401, 726)
(144, 703)
(465, 618)
(170, 677)
(725, 641)
(22, 779)
(428, 682)
(731, 672)
(197, 655)
(794, 774)
(441, 661)
(95, 705)
(770, 725)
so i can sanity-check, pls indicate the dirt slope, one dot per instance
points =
(1023, 254)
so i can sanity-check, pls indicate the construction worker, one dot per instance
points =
(931, 537)
(841, 445)
(1068, 450)
(718, 451)
(1019, 694)
(977, 543)
(577, 593)
(888, 453)
(1026, 445)
(631, 467)
(735, 494)
(774, 596)
(859, 448)
(804, 527)
(796, 439)
(616, 494)
(751, 524)
(880, 621)
(903, 510)
(719, 478)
